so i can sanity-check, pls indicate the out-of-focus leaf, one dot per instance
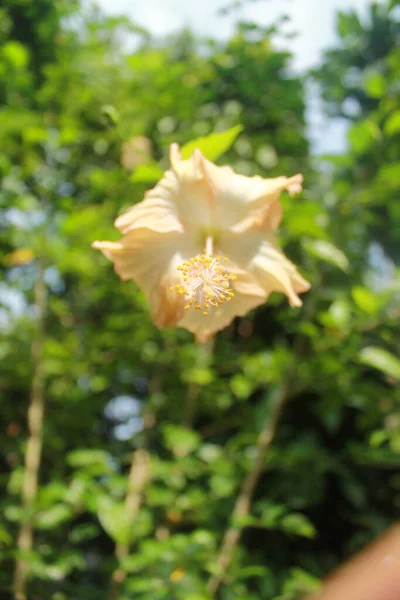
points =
(241, 386)
(299, 525)
(180, 440)
(5, 537)
(214, 145)
(199, 375)
(380, 359)
(100, 459)
(378, 437)
(392, 124)
(365, 299)
(326, 251)
(53, 517)
(149, 173)
(253, 571)
(271, 515)
(375, 85)
(115, 521)
(348, 23)
(339, 313)
(110, 114)
(16, 54)
(301, 582)
(389, 174)
(223, 486)
(363, 135)
(394, 442)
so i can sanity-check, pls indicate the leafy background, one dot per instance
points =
(149, 440)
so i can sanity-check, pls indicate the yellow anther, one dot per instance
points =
(205, 282)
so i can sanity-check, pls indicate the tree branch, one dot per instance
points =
(243, 502)
(138, 478)
(34, 446)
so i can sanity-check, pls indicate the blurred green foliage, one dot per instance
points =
(71, 95)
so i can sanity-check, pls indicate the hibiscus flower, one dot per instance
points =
(201, 245)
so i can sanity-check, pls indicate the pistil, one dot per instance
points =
(205, 281)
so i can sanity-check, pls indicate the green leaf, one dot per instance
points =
(327, 252)
(271, 515)
(53, 517)
(348, 24)
(378, 438)
(299, 525)
(380, 359)
(16, 54)
(389, 175)
(365, 300)
(115, 521)
(149, 173)
(301, 582)
(310, 222)
(16, 481)
(395, 442)
(198, 375)
(180, 440)
(375, 85)
(99, 460)
(5, 537)
(214, 145)
(84, 532)
(223, 486)
(243, 520)
(253, 571)
(110, 114)
(339, 313)
(392, 125)
(241, 386)
(363, 135)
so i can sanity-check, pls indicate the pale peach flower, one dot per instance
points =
(201, 245)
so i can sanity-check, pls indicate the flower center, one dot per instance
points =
(206, 282)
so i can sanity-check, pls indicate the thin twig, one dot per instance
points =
(34, 446)
(243, 502)
(138, 477)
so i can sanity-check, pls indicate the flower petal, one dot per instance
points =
(243, 202)
(196, 194)
(248, 295)
(192, 192)
(180, 200)
(150, 259)
(259, 254)
(157, 211)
